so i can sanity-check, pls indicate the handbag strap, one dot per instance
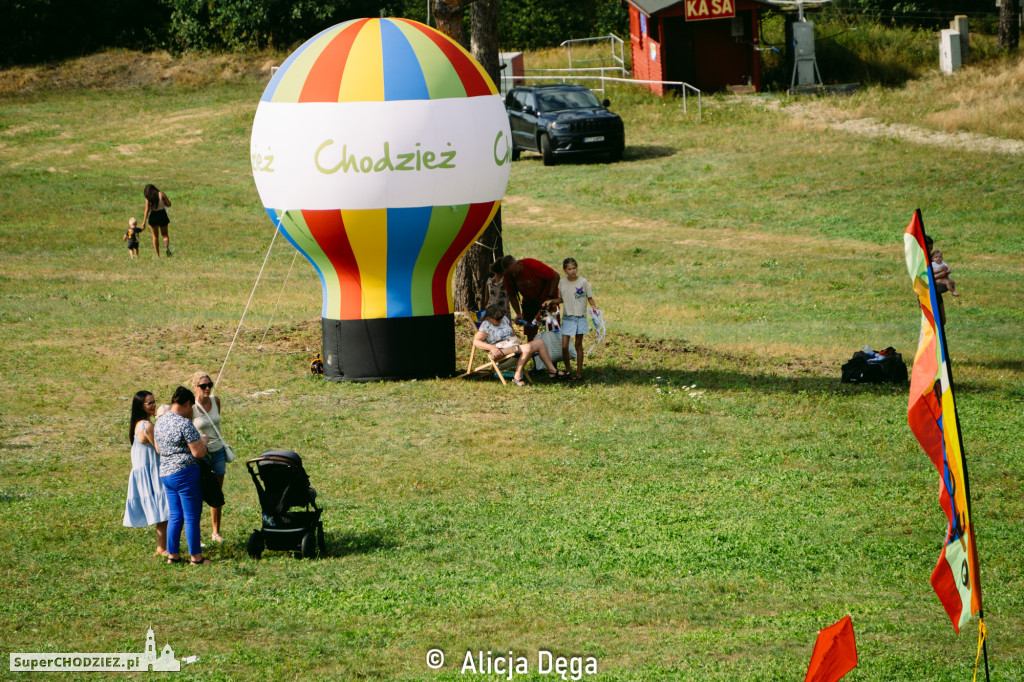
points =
(207, 415)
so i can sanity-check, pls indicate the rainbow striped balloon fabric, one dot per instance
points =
(381, 150)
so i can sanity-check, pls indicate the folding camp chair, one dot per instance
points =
(502, 368)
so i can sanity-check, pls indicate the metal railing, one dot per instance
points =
(572, 75)
(600, 73)
(617, 56)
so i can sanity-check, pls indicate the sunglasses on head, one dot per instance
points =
(205, 386)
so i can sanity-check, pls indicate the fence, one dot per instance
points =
(574, 75)
(617, 55)
(616, 52)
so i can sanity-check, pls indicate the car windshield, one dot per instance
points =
(556, 100)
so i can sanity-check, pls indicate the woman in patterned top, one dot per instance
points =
(497, 337)
(180, 446)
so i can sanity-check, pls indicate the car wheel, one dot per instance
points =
(255, 545)
(546, 152)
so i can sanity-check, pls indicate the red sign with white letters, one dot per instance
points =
(697, 10)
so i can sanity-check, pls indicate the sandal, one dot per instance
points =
(204, 561)
(217, 537)
(518, 381)
(179, 560)
(557, 375)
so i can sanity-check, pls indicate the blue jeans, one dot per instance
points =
(185, 501)
(218, 459)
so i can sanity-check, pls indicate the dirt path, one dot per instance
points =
(834, 119)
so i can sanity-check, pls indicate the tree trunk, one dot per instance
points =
(470, 280)
(1009, 25)
(472, 271)
(448, 15)
(484, 24)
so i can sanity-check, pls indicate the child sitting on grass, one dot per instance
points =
(940, 271)
(131, 236)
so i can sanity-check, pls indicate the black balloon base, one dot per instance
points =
(389, 349)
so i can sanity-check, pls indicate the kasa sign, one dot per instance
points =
(697, 10)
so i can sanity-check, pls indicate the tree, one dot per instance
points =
(472, 270)
(484, 45)
(448, 15)
(1009, 25)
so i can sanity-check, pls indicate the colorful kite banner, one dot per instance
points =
(932, 415)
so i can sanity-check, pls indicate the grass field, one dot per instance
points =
(698, 509)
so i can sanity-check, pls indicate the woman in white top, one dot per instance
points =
(497, 337)
(206, 418)
(146, 504)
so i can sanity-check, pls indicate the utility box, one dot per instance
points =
(959, 24)
(949, 50)
(512, 71)
(804, 65)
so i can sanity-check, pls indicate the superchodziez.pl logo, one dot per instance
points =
(79, 662)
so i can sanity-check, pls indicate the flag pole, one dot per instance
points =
(941, 325)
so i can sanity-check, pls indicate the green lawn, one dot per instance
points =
(707, 501)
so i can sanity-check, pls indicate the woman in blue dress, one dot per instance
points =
(147, 501)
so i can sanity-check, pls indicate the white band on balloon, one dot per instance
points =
(365, 155)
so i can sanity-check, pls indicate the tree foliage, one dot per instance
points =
(931, 14)
(531, 24)
(236, 25)
(43, 30)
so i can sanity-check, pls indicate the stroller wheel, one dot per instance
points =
(308, 545)
(321, 544)
(255, 545)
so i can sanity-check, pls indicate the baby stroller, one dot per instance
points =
(285, 484)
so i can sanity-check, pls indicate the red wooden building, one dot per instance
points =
(710, 44)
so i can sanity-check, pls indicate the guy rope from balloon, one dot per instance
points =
(277, 227)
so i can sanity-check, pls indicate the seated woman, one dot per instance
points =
(497, 337)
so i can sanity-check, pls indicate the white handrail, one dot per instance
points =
(579, 68)
(614, 42)
(685, 87)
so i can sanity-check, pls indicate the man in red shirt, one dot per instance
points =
(532, 281)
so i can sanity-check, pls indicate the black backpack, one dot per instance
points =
(889, 370)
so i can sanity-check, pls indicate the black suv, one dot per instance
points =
(561, 120)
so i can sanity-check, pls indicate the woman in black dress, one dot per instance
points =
(156, 215)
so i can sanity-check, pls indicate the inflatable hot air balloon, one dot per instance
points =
(381, 151)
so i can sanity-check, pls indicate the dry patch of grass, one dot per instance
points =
(985, 98)
(123, 69)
